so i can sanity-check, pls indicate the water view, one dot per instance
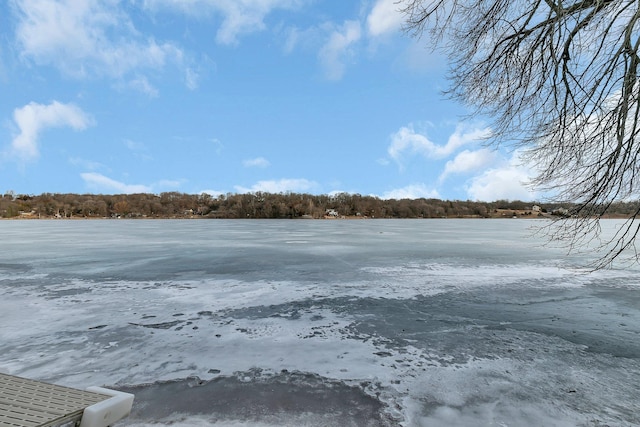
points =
(323, 323)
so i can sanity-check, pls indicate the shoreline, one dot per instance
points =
(302, 218)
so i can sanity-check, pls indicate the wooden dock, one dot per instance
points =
(29, 403)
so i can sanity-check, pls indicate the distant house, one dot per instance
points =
(561, 212)
(536, 208)
(332, 213)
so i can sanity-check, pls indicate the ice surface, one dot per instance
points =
(279, 399)
(423, 323)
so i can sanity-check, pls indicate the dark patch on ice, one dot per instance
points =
(98, 327)
(164, 325)
(252, 397)
(290, 311)
(15, 267)
(205, 313)
(460, 327)
(53, 294)
(317, 332)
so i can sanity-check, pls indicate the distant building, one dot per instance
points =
(536, 208)
(331, 212)
(561, 212)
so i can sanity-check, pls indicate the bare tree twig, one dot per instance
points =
(558, 79)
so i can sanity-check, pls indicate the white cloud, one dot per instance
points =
(191, 78)
(407, 140)
(292, 39)
(279, 186)
(86, 37)
(336, 45)
(165, 184)
(468, 161)
(414, 191)
(33, 118)
(86, 164)
(141, 84)
(464, 135)
(384, 18)
(309, 39)
(3, 72)
(245, 16)
(258, 162)
(99, 182)
(138, 149)
(133, 145)
(338, 49)
(506, 182)
(217, 145)
(212, 193)
(239, 17)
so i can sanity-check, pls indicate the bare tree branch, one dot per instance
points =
(560, 80)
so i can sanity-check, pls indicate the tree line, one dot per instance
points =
(268, 205)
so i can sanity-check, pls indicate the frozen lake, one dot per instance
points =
(322, 323)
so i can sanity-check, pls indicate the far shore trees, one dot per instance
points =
(559, 79)
(268, 205)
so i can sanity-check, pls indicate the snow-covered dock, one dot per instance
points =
(29, 403)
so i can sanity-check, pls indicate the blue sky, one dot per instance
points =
(234, 96)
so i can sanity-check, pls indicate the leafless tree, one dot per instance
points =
(558, 79)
